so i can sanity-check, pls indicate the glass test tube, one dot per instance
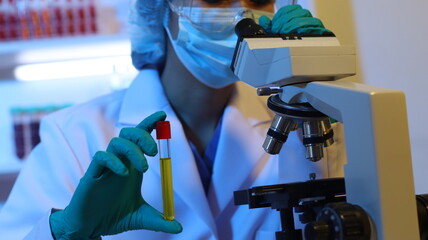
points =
(163, 134)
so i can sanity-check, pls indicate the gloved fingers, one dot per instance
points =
(278, 23)
(266, 23)
(103, 160)
(313, 31)
(284, 11)
(300, 23)
(149, 122)
(286, 15)
(142, 138)
(124, 148)
(152, 219)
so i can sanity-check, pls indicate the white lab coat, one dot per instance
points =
(71, 137)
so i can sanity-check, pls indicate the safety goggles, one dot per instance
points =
(227, 12)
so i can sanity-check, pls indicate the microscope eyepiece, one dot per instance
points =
(247, 27)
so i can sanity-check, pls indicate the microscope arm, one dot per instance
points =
(378, 173)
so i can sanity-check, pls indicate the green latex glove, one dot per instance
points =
(108, 198)
(293, 19)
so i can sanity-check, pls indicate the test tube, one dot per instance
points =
(163, 134)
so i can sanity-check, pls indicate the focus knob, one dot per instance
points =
(319, 230)
(339, 221)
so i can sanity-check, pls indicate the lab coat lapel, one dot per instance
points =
(186, 179)
(240, 155)
(144, 97)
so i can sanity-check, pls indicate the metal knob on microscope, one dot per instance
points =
(278, 134)
(340, 221)
(327, 132)
(313, 139)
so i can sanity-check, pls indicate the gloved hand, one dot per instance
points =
(108, 198)
(293, 19)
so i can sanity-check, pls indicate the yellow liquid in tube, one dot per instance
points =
(167, 192)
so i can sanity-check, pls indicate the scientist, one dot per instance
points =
(70, 189)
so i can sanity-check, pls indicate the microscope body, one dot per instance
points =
(378, 174)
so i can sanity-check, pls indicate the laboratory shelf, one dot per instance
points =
(24, 45)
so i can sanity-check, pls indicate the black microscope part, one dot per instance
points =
(322, 207)
(422, 208)
(247, 27)
(339, 221)
(308, 199)
(303, 110)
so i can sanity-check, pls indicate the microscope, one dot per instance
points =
(302, 74)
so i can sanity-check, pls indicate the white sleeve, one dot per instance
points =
(47, 180)
(42, 229)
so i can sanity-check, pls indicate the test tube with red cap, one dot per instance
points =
(163, 134)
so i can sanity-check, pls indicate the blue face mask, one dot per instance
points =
(205, 43)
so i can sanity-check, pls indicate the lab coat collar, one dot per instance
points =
(144, 97)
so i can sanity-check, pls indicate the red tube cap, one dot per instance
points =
(163, 130)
